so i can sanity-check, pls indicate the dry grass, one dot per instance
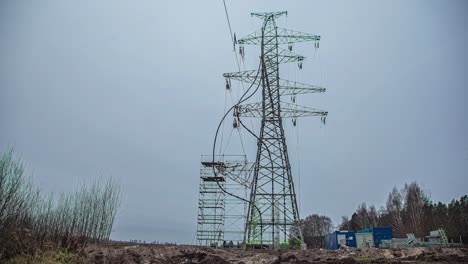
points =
(48, 257)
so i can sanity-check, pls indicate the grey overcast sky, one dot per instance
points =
(134, 89)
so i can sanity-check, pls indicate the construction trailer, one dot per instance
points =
(336, 239)
(372, 237)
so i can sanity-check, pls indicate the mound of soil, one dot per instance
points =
(155, 254)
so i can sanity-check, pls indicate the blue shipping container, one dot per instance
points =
(333, 240)
(379, 234)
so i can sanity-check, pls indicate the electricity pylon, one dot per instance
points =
(273, 217)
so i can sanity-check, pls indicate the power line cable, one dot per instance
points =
(237, 62)
(222, 131)
(229, 23)
(241, 100)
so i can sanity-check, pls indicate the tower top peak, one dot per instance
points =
(264, 15)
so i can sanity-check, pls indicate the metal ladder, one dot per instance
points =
(443, 236)
(410, 239)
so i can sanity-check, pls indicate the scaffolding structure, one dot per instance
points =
(221, 217)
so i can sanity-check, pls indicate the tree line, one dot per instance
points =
(410, 210)
(32, 220)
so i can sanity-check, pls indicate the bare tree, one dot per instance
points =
(362, 216)
(415, 200)
(395, 209)
(345, 223)
(314, 228)
(373, 216)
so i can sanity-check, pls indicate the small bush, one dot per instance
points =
(32, 220)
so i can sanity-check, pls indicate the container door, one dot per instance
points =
(351, 240)
(341, 239)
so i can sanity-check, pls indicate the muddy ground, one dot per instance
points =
(193, 254)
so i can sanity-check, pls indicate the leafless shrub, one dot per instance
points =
(31, 219)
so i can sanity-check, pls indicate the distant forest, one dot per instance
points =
(408, 210)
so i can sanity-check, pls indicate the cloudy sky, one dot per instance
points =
(134, 90)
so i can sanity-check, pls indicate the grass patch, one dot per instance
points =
(364, 258)
(48, 257)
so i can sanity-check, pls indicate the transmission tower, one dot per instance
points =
(273, 218)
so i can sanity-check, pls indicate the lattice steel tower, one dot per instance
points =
(273, 216)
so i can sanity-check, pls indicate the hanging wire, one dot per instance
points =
(320, 65)
(323, 127)
(321, 70)
(298, 167)
(229, 23)
(229, 138)
(241, 100)
(239, 62)
(298, 163)
(222, 130)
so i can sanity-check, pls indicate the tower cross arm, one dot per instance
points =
(287, 87)
(249, 110)
(283, 35)
(244, 76)
(288, 110)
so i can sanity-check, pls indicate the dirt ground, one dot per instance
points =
(143, 254)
